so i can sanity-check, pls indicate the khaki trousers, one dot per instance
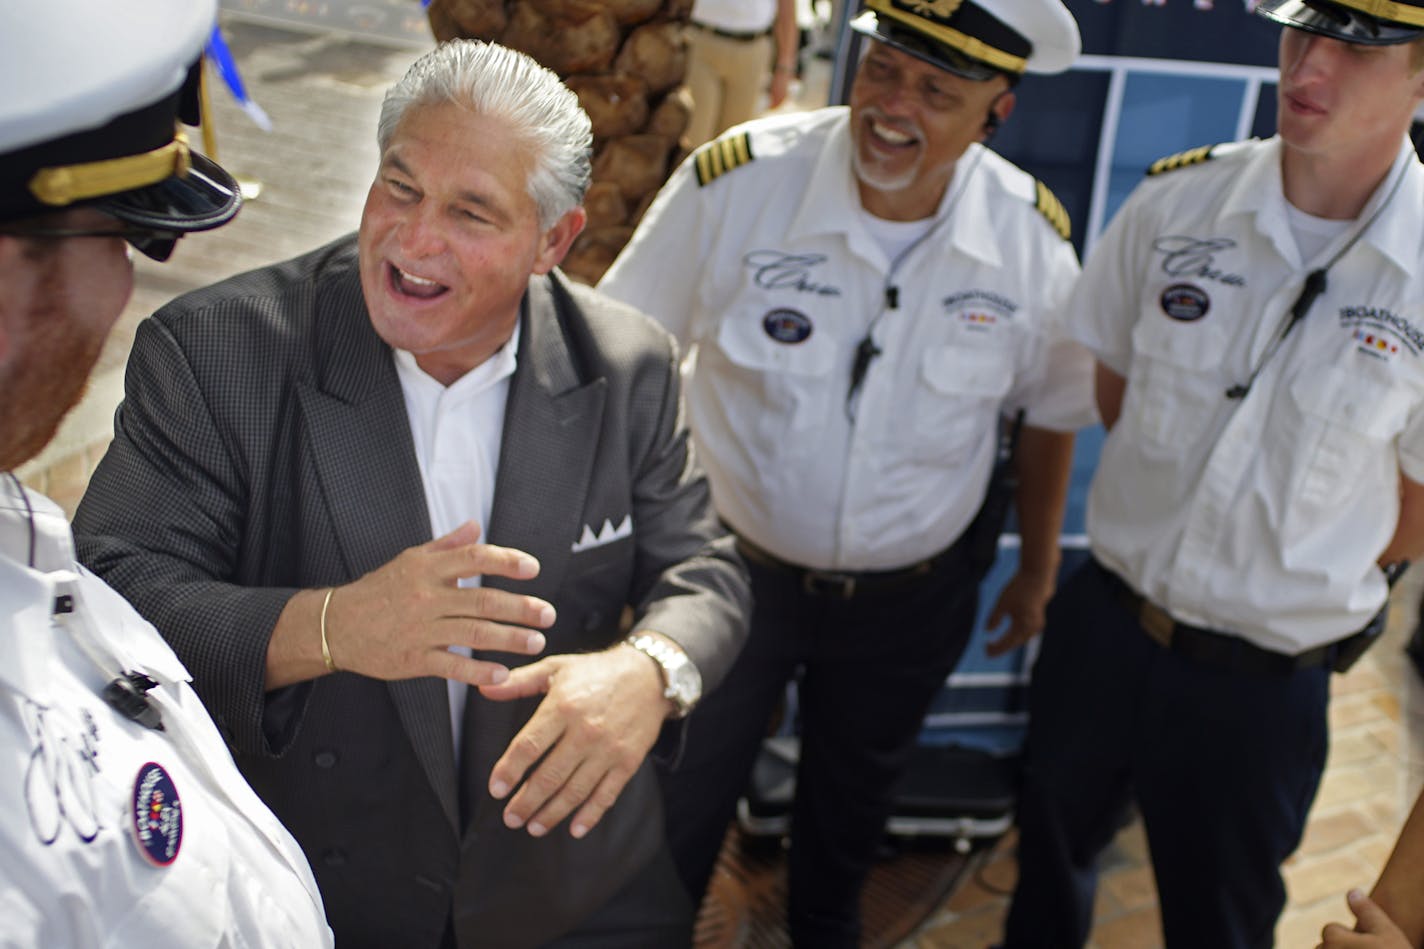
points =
(726, 78)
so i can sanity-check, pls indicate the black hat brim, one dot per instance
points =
(204, 198)
(1337, 22)
(936, 54)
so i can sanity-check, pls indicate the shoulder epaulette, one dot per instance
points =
(1051, 208)
(716, 158)
(1193, 156)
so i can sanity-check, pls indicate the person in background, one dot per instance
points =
(868, 292)
(736, 49)
(126, 822)
(1255, 313)
(329, 472)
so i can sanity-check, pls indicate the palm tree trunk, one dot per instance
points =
(625, 59)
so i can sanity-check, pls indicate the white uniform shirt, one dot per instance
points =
(457, 431)
(1261, 516)
(72, 872)
(770, 273)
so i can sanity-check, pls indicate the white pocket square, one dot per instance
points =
(607, 535)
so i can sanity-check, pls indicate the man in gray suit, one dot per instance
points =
(291, 440)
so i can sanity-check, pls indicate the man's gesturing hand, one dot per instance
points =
(398, 621)
(597, 722)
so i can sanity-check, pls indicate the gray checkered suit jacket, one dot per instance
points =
(263, 447)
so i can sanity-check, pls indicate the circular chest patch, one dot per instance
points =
(1182, 301)
(787, 326)
(158, 815)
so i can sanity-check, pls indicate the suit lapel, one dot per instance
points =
(551, 431)
(366, 467)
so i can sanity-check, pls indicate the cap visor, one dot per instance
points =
(204, 198)
(937, 54)
(1337, 22)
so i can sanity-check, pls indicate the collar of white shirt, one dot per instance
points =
(28, 594)
(1258, 191)
(831, 203)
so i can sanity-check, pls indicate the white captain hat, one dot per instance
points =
(977, 39)
(95, 92)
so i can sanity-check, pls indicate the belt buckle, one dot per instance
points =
(818, 582)
(1157, 622)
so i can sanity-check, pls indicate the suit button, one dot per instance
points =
(334, 857)
(592, 621)
(325, 759)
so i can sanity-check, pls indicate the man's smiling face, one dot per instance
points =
(450, 237)
(910, 121)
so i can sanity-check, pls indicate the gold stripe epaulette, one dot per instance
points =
(715, 159)
(1051, 208)
(1193, 156)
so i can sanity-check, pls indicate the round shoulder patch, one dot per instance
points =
(157, 815)
(1185, 302)
(787, 326)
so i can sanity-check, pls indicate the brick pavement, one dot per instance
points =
(1374, 769)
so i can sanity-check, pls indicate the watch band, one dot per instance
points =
(682, 683)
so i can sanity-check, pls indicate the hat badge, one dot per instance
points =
(944, 9)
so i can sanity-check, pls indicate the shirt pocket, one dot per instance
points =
(189, 902)
(957, 399)
(1176, 384)
(775, 389)
(1346, 419)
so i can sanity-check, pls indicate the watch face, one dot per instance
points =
(682, 681)
(685, 681)
(685, 685)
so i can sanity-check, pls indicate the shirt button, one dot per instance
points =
(334, 857)
(325, 759)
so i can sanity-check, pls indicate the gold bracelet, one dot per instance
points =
(326, 649)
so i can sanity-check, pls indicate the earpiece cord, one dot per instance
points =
(1314, 285)
(29, 515)
(867, 349)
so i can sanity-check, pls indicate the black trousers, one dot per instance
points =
(1223, 766)
(869, 667)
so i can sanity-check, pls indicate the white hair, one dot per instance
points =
(502, 83)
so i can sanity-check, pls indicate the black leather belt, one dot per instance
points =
(738, 35)
(841, 584)
(1224, 650)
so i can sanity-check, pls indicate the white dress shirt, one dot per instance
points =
(1263, 515)
(73, 874)
(771, 274)
(457, 431)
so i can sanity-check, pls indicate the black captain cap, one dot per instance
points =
(1367, 22)
(95, 92)
(977, 39)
